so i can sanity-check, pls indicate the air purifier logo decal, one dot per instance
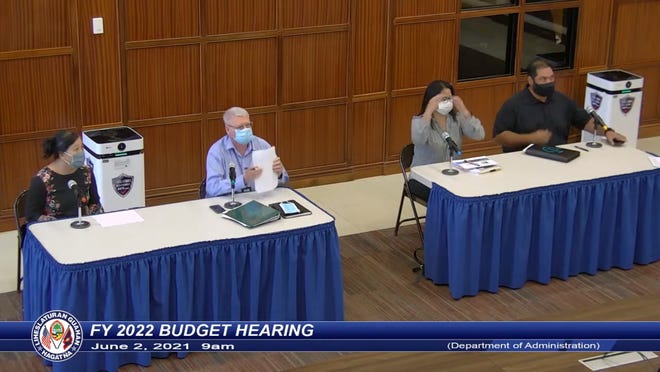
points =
(596, 100)
(122, 184)
(626, 104)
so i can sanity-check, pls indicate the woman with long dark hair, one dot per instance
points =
(441, 111)
(50, 196)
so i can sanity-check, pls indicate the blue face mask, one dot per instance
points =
(243, 136)
(77, 159)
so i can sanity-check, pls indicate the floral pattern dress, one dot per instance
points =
(50, 197)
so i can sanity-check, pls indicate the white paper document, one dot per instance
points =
(615, 359)
(655, 160)
(118, 218)
(477, 165)
(263, 159)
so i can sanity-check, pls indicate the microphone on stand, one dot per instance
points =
(79, 223)
(453, 149)
(450, 142)
(232, 181)
(73, 185)
(232, 175)
(598, 121)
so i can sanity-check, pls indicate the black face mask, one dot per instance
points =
(544, 90)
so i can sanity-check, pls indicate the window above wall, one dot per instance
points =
(490, 45)
(487, 46)
(549, 34)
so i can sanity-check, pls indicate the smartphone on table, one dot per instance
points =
(217, 208)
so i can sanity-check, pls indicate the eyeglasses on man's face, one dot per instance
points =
(240, 127)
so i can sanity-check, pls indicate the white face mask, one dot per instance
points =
(445, 107)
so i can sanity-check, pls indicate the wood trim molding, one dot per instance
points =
(35, 53)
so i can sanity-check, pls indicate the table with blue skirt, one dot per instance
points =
(183, 262)
(539, 219)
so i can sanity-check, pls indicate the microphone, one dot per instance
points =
(232, 174)
(232, 179)
(73, 185)
(79, 223)
(597, 119)
(450, 142)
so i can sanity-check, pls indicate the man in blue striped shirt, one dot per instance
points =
(236, 148)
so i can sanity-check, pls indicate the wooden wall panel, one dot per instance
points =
(37, 94)
(34, 24)
(163, 81)
(315, 137)
(580, 87)
(308, 13)
(100, 76)
(171, 154)
(14, 174)
(214, 130)
(398, 134)
(370, 46)
(593, 33)
(650, 92)
(265, 126)
(161, 19)
(232, 16)
(408, 8)
(367, 132)
(636, 32)
(565, 83)
(418, 53)
(314, 67)
(484, 103)
(241, 73)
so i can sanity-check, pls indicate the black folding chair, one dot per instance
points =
(202, 189)
(405, 160)
(19, 218)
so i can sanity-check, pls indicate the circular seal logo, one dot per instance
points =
(57, 336)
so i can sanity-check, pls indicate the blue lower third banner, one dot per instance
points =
(183, 345)
(58, 335)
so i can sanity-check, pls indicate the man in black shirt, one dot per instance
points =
(541, 116)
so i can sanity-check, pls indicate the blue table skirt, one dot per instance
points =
(482, 243)
(283, 276)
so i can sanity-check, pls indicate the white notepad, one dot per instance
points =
(118, 218)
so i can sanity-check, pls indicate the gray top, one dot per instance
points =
(429, 145)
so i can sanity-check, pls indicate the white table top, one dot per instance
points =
(521, 171)
(167, 225)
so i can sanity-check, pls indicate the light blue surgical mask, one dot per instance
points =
(77, 159)
(243, 136)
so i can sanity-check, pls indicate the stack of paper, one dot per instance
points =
(655, 160)
(477, 165)
(118, 218)
(263, 159)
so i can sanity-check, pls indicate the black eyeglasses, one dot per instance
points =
(244, 126)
